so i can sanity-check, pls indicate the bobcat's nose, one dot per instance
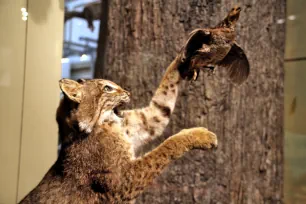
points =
(126, 96)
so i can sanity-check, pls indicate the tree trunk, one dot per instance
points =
(145, 36)
(102, 43)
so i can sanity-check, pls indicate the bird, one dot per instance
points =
(91, 12)
(208, 47)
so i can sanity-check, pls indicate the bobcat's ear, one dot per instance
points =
(72, 89)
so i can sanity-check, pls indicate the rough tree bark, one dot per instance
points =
(144, 37)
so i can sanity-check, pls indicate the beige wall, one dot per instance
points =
(30, 67)
(295, 103)
(41, 93)
(295, 33)
(12, 55)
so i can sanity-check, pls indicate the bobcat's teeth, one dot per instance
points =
(117, 110)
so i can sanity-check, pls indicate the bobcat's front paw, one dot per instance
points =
(200, 138)
(195, 53)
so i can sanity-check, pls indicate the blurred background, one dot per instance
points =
(260, 125)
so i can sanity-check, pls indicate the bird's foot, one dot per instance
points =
(209, 69)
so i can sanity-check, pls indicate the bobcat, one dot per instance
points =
(97, 162)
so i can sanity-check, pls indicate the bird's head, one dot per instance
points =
(232, 17)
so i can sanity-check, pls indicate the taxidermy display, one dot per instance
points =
(208, 47)
(91, 12)
(97, 162)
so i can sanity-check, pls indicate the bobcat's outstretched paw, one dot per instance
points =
(201, 138)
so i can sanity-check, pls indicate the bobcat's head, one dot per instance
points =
(90, 102)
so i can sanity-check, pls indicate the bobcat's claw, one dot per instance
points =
(195, 74)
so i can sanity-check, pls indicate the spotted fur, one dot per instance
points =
(97, 162)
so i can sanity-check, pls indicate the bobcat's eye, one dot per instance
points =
(108, 88)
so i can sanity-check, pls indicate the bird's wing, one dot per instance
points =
(237, 64)
(195, 41)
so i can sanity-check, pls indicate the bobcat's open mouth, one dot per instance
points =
(118, 110)
(115, 114)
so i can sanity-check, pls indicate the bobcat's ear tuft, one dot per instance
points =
(72, 89)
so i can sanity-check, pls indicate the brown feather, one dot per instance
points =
(195, 41)
(237, 64)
